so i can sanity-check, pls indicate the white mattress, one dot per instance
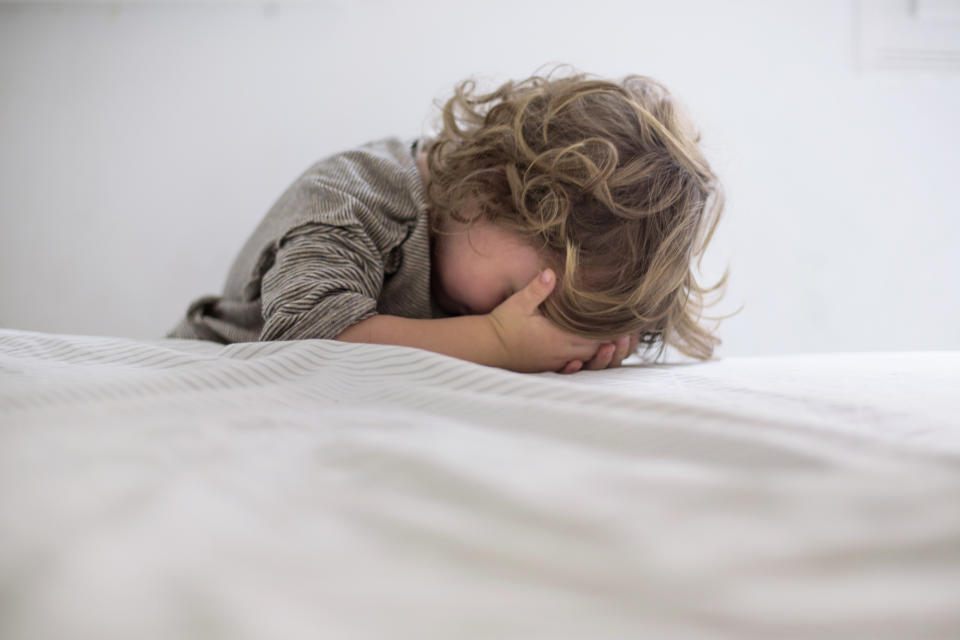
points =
(316, 489)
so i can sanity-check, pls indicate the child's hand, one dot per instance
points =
(609, 354)
(530, 342)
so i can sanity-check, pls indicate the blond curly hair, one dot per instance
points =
(606, 181)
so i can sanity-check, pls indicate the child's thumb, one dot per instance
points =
(538, 289)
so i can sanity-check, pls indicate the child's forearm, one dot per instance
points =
(470, 338)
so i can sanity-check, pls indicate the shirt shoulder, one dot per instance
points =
(374, 188)
(380, 178)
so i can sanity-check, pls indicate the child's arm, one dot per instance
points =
(513, 336)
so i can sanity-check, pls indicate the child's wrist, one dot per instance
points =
(496, 334)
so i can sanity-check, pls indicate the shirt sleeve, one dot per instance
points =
(324, 279)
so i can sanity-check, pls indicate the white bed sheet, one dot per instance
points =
(316, 489)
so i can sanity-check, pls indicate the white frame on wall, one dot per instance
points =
(909, 34)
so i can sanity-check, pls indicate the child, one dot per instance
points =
(549, 226)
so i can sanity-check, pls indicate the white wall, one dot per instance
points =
(142, 143)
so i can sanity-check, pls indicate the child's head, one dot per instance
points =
(478, 266)
(603, 182)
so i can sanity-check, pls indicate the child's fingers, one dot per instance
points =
(537, 290)
(622, 344)
(602, 358)
(626, 346)
(572, 367)
(586, 351)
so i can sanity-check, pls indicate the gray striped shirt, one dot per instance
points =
(347, 240)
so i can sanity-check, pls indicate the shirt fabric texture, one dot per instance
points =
(347, 240)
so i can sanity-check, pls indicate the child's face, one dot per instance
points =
(473, 274)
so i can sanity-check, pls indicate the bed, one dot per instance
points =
(318, 489)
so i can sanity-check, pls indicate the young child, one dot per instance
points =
(549, 226)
